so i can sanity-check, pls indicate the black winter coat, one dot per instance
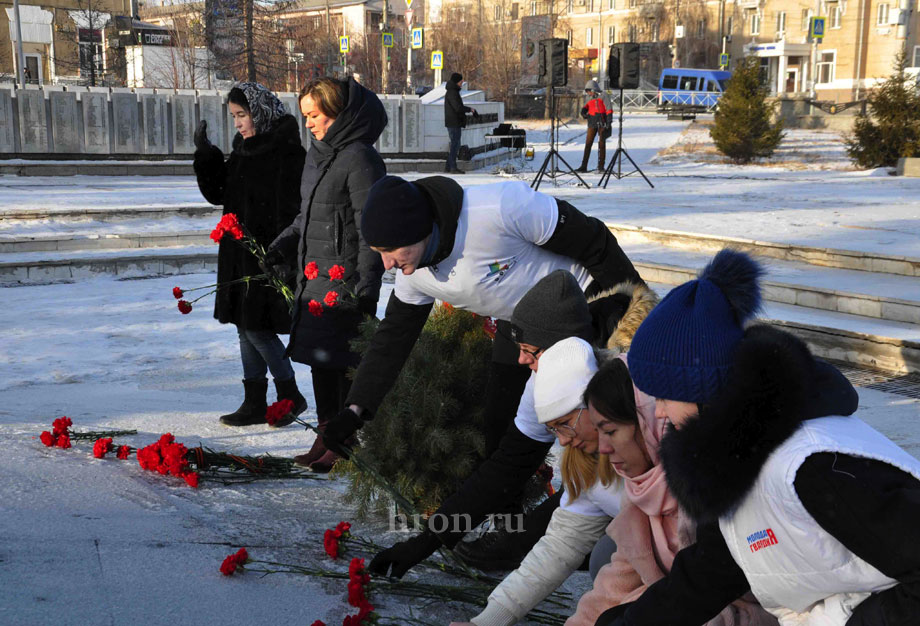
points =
(337, 175)
(259, 184)
(454, 109)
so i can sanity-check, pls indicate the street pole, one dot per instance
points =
(409, 15)
(600, 44)
(384, 73)
(20, 66)
(675, 61)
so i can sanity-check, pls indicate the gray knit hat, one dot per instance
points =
(554, 309)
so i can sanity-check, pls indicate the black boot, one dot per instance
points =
(252, 411)
(497, 550)
(287, 390)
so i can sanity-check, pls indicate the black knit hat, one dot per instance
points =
(554, 309)
(396, 214)
(456, 77)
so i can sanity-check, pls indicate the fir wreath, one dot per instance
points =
(427, 435)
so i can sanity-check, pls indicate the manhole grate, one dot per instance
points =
(900, 384)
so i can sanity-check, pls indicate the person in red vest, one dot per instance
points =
(599, 115)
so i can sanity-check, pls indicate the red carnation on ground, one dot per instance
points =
(102, 447)
(191, 479)
(356, 595)
(185, 307)
(343, 527)
(311, 270)
(331, 299)
(123, 452)
(62, 441)
(357, 573)
(177, 293)
(234, 561)
(60, 425)
(315, 308)
(47, 438)
(331, 544)
(363, 616)
(318, 623)
(277, 410)
(336, 272)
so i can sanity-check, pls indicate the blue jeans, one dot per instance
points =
(454, 135)
(261, 350)
(601, 554)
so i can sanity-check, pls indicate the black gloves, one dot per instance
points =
(367, 305)
(584, 112)
(405, 555)
(340, 429)
(273, 264)
(614, 616)
(201, 136)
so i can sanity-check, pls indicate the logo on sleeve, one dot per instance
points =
(762, 539)
(498, 269)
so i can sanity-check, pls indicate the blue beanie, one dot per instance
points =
(396, 213)
(685, 347)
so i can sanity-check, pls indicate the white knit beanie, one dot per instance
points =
(562, 377)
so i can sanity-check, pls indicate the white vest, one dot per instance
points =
(799, 572)
(496, 257)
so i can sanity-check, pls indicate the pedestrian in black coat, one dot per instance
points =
(454, 120)
(342, 164)
(258, 183)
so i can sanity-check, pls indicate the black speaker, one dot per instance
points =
(623, 66)
(554, 62)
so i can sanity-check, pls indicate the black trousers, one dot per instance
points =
(330, 388)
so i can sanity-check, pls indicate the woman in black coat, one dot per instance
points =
(259, 183)
(342, 164)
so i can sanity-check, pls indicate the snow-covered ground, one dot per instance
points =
(87, 541)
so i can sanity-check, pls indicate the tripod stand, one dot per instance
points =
(553, 154)
(618, 158)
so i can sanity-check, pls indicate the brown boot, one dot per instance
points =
(317, 451)
(325, 463)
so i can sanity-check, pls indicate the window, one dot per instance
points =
(669, 81)
(514, 11)
(701, 29)
(568, 35)
(589, 37)
(633, 32)
(632, 4)
(655, 29)
(882, 16)
(533, 8)
(90, 42)
(827, 62)
(916, 62)
(611, 34)
(833, 15)
(688, 83)
(498, 13)
(730, 25)
(611, 4)
(806, 19)
(781, 22)
(568, 6)
(755, 23)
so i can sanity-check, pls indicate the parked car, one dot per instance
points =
(690, 91)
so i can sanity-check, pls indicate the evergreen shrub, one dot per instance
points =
(890, 129)
(742, 128)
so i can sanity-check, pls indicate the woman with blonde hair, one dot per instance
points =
(338, 274)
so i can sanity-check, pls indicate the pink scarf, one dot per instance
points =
(649, 491)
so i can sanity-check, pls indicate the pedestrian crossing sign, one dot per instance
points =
(437, 60)
(416, 38)
(387, 40)
(724, 58)
(816, 30)
(343, 45)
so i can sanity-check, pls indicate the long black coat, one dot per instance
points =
(259, 183)
(454, 109)
(337, 175)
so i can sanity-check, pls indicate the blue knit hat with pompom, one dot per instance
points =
(685, 347)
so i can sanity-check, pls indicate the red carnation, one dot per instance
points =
(185, 307)
(61, 424)
(357, 573)
(318, 623)
(123, 452)
(191, 479)
(356, 595)
(278, 410)
(331, 544)
(331, 299)
(102, 446)
(343, 527)
(489, 326)
(63, 441)
(336, 272)
(177, 293)
(47, 438)
(362, 617)
(311, 271)
(315, 308)
(234, 561)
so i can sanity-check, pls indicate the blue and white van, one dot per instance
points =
(690, 90)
